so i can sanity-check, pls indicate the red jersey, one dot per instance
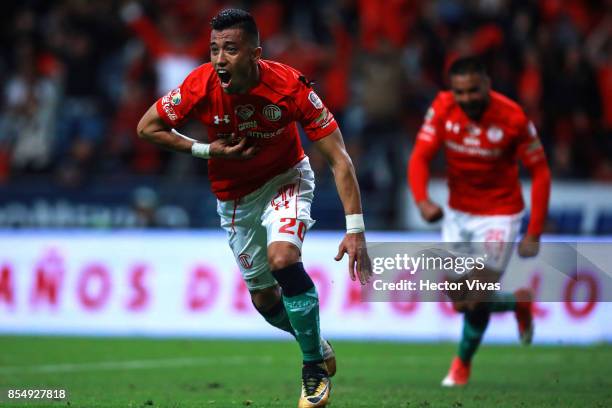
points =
(267, 115)
(482, 157)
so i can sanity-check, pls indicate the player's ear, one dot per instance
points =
(487, 82)
(256, 54)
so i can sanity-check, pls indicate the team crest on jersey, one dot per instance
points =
(495, 134)
(245, 111)
(245, 260)
(272, 112)
(175, 97)
(315, 100)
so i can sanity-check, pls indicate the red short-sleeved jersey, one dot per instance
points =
(267, 115)
(482, 157)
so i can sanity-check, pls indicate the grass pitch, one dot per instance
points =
(120, 372)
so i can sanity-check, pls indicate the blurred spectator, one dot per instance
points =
(382, 97)
(80, 124)
(175, 52)
(573, 96)
(385, 22)
(123, 145)
(81, 44)
(27, 122)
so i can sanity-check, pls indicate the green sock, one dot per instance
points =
(303, 313)
(277, 317)
(474, 326)
(502, 302)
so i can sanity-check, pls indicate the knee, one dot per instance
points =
(280, 261)
(461, 306)
(469, 306)
(265, 299)
(282, 255)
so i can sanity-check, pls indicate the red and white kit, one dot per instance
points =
(266, 198)
(485, 203)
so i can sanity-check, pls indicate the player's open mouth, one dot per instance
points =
(225, 77)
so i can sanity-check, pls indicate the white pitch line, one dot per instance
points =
(239, 360)
(134, 364)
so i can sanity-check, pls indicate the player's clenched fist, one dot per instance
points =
(430, 211)
(529, 246)
(228, 149)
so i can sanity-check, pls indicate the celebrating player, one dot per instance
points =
(483, 134)
(263, 180)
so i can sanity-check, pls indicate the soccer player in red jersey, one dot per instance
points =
(484, 135)
(263, 180)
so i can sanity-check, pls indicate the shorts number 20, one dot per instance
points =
(289, 227)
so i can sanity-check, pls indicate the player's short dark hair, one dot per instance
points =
(468, 65)
(237, 18)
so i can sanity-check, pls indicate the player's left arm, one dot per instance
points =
(354, 244)
(322, 129)
(533, 158)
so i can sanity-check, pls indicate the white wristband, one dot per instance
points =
(201, 150)
(354, 223)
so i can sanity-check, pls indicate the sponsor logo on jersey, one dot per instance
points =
(472, 138)
(245, 111)
(535, 145)
(473, 150)
(168, 108)
(175, 97)
(429, 114)
(495, 134)
(324, 119)
(252, 124)
(245, 261)
(217, 119)
(471, 141)
(315, 100)
(425, 136)
(428, 129)
(266, 135)
(322, 116)
(272, 112)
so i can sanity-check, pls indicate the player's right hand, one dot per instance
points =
(430, 211)
(529, 246)
(226, 149)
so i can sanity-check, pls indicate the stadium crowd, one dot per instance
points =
(76, 76)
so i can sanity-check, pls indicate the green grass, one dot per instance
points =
(201, 373)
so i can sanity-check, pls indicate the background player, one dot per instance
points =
(483, 134)
(263, 180)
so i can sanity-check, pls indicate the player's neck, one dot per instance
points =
(478, 117)
(252, 81)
